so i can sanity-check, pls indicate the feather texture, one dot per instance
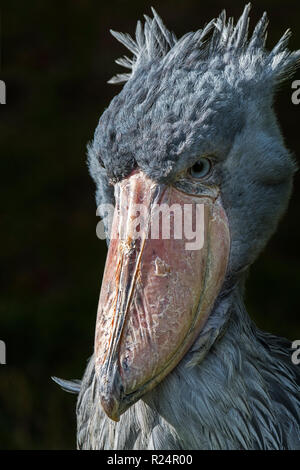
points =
(209, 92)
(243, 395)
(154, 42)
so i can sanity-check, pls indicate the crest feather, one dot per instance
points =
(154, 42)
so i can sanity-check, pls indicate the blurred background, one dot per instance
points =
(56, 59)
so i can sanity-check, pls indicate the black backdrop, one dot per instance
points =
(56, 59)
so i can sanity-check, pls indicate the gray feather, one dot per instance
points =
(208, 93)
(71, 386)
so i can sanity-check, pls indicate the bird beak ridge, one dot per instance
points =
(158, 286)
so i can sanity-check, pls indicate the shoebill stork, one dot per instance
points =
(178, 363)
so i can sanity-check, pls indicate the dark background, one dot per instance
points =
(56, 59)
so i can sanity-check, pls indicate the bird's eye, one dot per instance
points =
(201, 168)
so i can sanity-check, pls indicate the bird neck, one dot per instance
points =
(239, 396)
(225, 400)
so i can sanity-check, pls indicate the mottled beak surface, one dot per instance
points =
(158, 287)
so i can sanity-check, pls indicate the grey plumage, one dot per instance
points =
(242, 396)
(210, 92)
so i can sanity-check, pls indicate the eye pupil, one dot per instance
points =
(198, 167)
(201, 168)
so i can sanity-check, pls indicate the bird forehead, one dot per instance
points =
(162, 119)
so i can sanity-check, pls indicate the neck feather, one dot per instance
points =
(241, 395)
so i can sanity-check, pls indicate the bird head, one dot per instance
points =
(192, 140)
